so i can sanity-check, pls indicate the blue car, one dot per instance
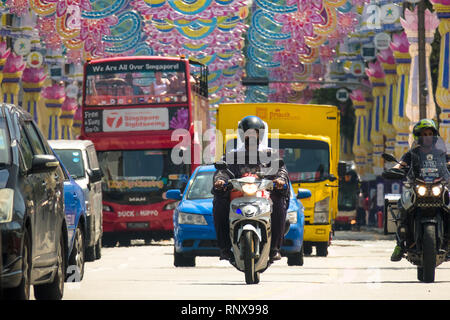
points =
(75, 210)
(194, 232)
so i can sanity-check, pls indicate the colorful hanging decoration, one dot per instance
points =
(54, 96)
(32, 83)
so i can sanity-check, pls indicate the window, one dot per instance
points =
(201, 187)
(4, 143)
(92, 158)
(25, 146)
(72, 161)
(35, 140)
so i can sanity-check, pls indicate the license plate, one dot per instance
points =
(137, 225)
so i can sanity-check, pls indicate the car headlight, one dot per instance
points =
(292, 217)
(421, 190)
(6, 205)
(321, 210)
(191, 218)
(171, 205)
(250, 188)
(436, 190)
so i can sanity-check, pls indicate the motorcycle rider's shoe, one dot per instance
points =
(397, 255)
(274, 255)
(226, 254)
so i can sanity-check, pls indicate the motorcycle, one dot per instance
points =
(250, 223)
(425, 234)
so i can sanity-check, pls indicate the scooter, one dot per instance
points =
(250, 223)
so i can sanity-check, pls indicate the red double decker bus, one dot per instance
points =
(131, 106)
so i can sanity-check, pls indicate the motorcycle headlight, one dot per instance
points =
(421, 190)
(250, 188)
(6, 205)
(191, 218)
(436, 190)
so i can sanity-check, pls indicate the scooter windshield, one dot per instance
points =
(429, 160)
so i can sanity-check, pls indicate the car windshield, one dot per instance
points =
(141, 170)
(73, 161)
(305, 160)
(201, 186)
(5, 154)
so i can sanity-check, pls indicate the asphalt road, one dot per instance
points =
(357, 268)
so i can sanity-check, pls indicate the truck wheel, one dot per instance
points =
(307, 248)
(180, 260)
(295, 259)
(322, 249)
(428, 254)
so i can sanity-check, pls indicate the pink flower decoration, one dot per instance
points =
(400, 43)
(14, 64)
(34, 75)
(55, 91)
(375, 70)
(386, 56)
(69, 104)
(357, 95)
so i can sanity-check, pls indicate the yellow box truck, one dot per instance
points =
(308, 140)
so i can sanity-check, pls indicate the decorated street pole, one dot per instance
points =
(12, 72)
(54, 96)
(442, 8)
(410, 24)
(359, 140)
(32, 83)
(67, 117)
(4, 54)
(400, 47)
(77, 120)
(387, 60)
(377, 77)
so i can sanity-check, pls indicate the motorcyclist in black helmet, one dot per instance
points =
(425, 134)
(246, 160)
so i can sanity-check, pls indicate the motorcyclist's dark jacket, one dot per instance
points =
(239, 163)
(416, 159)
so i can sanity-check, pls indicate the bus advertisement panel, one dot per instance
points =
(131, 107)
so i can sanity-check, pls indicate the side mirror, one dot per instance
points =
(174, 194)
(94, 175)
(389, 157)
(43, 163)
(303, 193)
(342, 169)
(393, 174)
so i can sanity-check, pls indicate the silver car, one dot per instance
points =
(80, 159)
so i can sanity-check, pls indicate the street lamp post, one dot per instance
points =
(423, 91)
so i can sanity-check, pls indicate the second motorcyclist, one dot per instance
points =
(425, 134)
(241, 161)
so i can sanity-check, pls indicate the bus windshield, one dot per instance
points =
(141, 171)
(135, 82)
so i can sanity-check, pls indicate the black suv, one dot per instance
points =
(32, 220)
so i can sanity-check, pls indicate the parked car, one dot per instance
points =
(32, 219)
(194, 232)
(76, 217)
(80, 159)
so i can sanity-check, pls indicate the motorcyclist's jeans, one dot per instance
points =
(221, 210)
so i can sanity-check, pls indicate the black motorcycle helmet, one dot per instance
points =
(251, 123)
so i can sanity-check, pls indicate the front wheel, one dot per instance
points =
(55, 289)
(427, 271)
(248, 244)
(77, 256)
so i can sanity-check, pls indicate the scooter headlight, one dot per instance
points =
(436, 190)
(421, 190)
(250, 188)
